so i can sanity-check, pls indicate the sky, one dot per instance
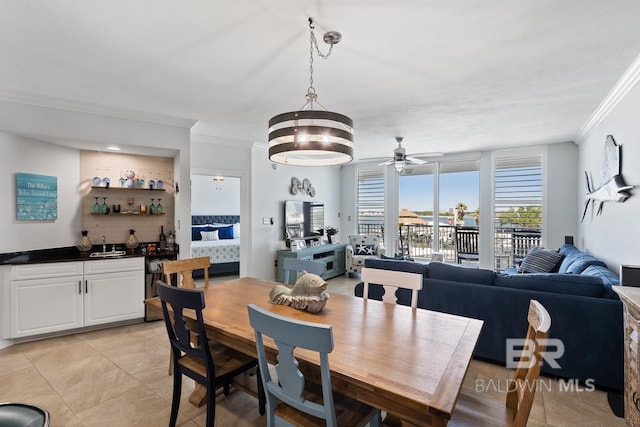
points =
(416, 191)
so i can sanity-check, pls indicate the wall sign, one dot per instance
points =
(36, 197)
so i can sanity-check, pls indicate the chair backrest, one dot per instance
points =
(523, 387)
(297, 265)
(522, 241)
(390, 281)
(184, 268)
(467, 241)
(288, 335)
(181, 299)
(364, 239)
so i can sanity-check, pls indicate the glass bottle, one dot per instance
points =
(163, 239)
(171, 242)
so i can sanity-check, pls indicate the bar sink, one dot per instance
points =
(109, 254)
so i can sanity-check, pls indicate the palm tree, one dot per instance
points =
(461, 208)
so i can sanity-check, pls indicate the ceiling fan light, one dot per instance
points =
(399, 165)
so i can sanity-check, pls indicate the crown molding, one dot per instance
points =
(622, 87)
(86, 108)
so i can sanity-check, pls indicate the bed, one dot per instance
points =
(218, 237)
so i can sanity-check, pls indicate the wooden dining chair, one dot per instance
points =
(290, 399)
(391, 281)
(183, 268)
(474, 409)
(298, 265)
(210, 363)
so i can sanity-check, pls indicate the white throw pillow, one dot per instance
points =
(209, 236)
(236, 230)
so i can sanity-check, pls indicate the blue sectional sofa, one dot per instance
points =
(586, 314)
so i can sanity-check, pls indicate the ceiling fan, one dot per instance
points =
(400, 159)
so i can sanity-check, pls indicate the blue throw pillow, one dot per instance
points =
(225, 232)
(365, 249)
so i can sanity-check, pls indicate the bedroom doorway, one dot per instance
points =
(216, 206)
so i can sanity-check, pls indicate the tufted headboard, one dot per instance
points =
(214, 219)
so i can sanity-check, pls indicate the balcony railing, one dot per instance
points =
(511, 244)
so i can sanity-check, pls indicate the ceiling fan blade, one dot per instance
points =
(428, 154)
(415, 161)
(388, 162)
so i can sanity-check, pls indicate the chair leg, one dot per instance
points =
(262, 400)
(175, 401)
(211, 404)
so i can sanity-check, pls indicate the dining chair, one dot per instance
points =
(210, 363)
(391, 281)
(184, 268)
(23, 415)
(290, 399)
(474, 409)
(297, 265)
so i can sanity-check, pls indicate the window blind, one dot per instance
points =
(371, 202)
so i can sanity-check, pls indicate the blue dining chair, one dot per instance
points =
(209, 363)
(290, 399)
(297, 265)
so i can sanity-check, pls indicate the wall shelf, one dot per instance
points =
(93, 187)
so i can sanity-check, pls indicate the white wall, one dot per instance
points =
(25, 155)
(269, 189)
(209, 197)
(561, 208)
(613, 236)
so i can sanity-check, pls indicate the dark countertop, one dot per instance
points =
(69, 253)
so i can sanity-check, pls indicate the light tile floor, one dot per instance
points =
(118, 377)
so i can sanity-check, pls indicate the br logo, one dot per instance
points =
(523, 351)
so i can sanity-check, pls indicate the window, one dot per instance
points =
(371, 202)
(517, 207)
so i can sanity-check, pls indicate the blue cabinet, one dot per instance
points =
(333, 256)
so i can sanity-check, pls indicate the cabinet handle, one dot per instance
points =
(79, 287)
(86, 287)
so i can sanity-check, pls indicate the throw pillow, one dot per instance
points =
(209, 236)
(225, 232)
(365, 249)
(236, 230)
(195, 231)
(540, 261)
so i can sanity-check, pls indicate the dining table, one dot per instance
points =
(407, 362)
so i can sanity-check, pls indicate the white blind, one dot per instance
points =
(518, 204)
(371, 202)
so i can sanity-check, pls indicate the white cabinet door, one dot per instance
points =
(112, 297)
(41, 306)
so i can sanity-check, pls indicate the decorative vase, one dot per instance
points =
(132, 241)
(84, 244)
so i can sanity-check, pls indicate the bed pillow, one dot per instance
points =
(196, 229)
(225, 232)
(208, 236)
(236, 230)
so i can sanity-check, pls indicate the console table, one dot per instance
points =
(333, 256)
(630, 297)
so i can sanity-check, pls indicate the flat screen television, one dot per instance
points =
(303, 220)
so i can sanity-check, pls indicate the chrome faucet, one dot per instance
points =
(104, 244)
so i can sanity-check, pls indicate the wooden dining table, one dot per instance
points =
(408, 362)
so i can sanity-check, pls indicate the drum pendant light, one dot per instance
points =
(311, 137)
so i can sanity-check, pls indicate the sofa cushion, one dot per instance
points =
(582, 262)
(608, 277)
(570, 253)
(540, 260)
(396, 265)
(442, 271)
(569, 284)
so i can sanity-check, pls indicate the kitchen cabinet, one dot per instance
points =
(54, 297)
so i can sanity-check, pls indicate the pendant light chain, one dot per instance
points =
(311, 92)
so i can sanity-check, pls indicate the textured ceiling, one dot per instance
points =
(449, 76)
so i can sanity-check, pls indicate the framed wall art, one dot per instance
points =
(36, 197)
